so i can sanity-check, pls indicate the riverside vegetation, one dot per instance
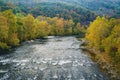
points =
(103, 39)
(17, 28)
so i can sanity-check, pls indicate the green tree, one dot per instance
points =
(78, 29)
(69, 27)
(20, 26)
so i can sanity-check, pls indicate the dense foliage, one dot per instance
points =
(61, 10)
(102, 7)
(17, 28)
(82, 11)
(65, 11)
(104, 35)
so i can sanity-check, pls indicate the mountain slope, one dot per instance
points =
(101, 7)
(65, 11)
(79, 10)
(52, 9)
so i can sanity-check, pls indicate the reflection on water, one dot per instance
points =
(55, 58)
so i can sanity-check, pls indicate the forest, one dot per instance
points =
(78, 14)
(21, 22)
(103, 35)
(17, 28)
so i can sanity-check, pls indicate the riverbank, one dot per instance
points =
(7, 48)
(105, 62)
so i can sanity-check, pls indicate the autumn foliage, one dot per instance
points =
(104, 35)
(15, 28)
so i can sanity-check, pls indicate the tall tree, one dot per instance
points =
(29, 27)
(11, 23)
(59, 27)
(3, 28)
(97, 31)
(69, 27)
(42, 29)
(3, 32)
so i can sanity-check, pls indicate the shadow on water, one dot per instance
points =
(41, 41)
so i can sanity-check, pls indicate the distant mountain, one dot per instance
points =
(79, 10)
(101, 7)
(52, 9)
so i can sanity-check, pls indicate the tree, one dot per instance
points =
(43, 29)
(113, 46)
(3, 32)
(12, 32)
(29, 27)
(20, 26)
(3, 28)
(69, 27)
(98, 30)
(59, 27)
(78, 29)
(104, 35)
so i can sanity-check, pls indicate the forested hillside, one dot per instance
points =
(102, 7)
(60, 10)
(82, 11)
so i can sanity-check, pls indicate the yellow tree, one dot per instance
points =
(12, 32)
(115, 47)
(3, 32)
(29, 27)
(52, 22)
(97, 31)
(42, 29)
(3, 28)
(59, 27)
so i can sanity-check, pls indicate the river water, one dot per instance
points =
(55, 58)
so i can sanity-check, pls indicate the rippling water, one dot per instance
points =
(55, 58)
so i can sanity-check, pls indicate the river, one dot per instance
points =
(55, 58)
